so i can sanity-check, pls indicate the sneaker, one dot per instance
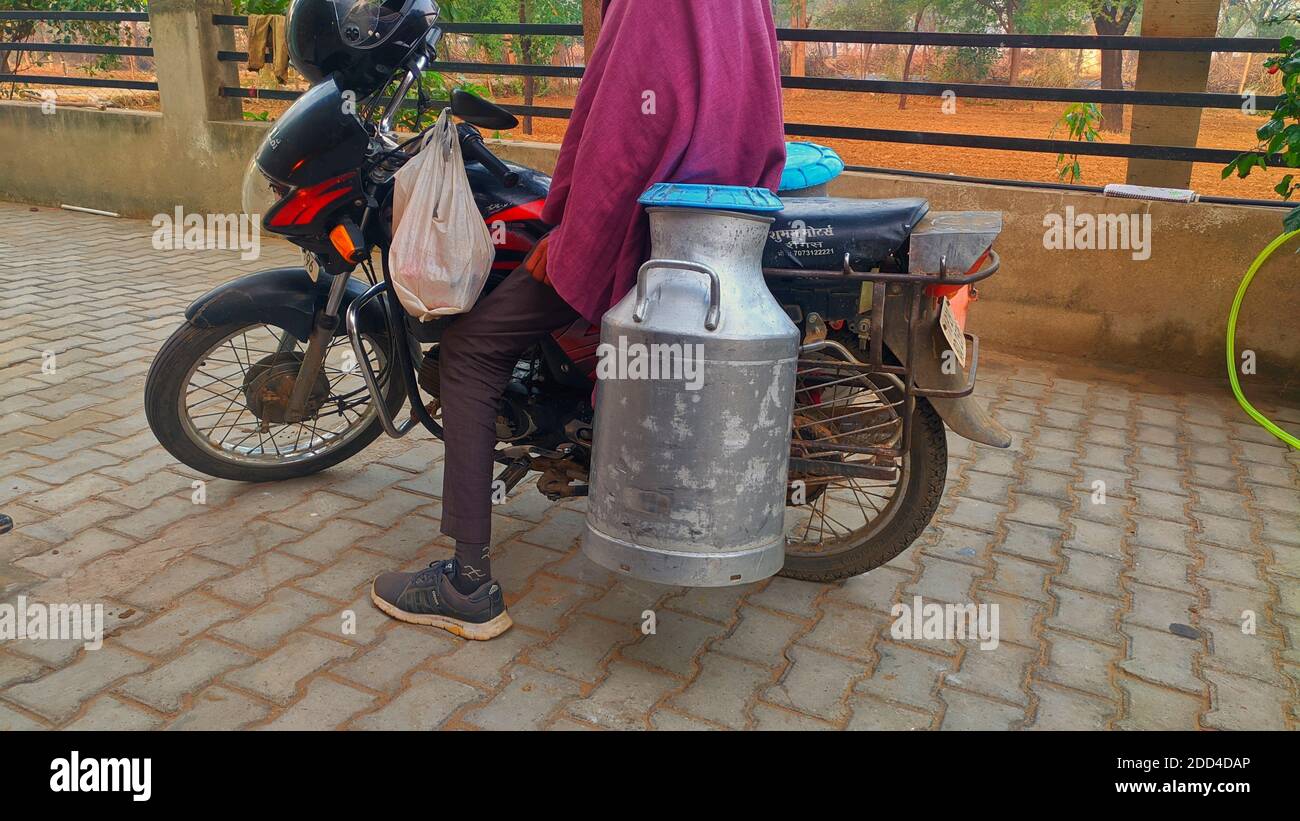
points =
(428, 597)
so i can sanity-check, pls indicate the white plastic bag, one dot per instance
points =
(442, 251)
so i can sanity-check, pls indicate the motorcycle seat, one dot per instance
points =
(814, 233)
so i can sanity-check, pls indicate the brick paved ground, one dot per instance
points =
(230, 614)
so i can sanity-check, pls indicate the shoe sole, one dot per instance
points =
(464, 629)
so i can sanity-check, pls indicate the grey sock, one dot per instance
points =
(475, 566)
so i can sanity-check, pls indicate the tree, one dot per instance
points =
(60, 31)
(1019, 17)
(526, 49)
(920, 7)
(869, 15)
(798, 48)
(1258, 18)
(1113, 17)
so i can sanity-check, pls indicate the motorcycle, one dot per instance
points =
(289, 371)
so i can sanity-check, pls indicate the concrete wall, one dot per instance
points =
(1168, 312)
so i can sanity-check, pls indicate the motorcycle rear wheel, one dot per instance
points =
(849, 526)
(907, 514)
(235, 375)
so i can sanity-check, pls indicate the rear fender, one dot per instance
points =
(965, 416)
(284, 298)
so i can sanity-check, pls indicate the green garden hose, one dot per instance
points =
(1264, 421)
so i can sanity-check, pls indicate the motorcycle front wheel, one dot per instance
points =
(215, 399)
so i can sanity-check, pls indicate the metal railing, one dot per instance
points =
(922, 88)
(78, 48)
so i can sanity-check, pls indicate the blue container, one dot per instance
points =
(808, 168)
(716, 197)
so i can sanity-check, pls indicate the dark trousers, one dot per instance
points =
(476, 358)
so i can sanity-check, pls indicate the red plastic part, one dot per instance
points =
(305, 204)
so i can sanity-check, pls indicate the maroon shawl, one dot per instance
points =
(682, 91)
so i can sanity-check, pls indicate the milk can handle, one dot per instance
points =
(711, 319)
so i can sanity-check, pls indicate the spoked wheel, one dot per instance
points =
(840, 523)
(218, 400)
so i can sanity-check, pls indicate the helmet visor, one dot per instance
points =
(365, 24)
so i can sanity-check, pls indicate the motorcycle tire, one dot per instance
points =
(163, 390)
(922, 494)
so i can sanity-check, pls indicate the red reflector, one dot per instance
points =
(305, 204)
(951, 290)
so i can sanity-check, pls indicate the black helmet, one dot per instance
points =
(363, 41)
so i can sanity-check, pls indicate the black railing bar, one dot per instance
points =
(91, 82)
(502, 69)
(1040, 184)
(105, 16)
(284, 94)
(1239, 45)
(515, 69)
(544, 29)
(540, 29)
(1184, 99)
(78, 48)
(1068, 147)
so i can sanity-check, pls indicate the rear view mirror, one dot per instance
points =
(479, 112)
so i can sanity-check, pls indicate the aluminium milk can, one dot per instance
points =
(690, 462)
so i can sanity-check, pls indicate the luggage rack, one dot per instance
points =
(903, 376)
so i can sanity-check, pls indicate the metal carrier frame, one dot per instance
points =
(914, 285)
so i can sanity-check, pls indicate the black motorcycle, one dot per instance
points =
(289, 371)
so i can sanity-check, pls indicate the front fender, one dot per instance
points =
(283, 298)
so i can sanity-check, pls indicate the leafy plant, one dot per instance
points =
(62, 31)
(968, 64)
(259, 116)
(1280, 136)
(1082, 122)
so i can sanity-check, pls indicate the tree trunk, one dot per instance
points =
(798, 48)
(866, 59)
(1113, 21)
(590, 28)
(1112, 77)
(1015, 66)
(911, 54)
(526, 50)
(1245, 73)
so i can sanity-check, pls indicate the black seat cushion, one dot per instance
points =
(815, 233)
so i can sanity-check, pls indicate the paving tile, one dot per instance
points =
(525, 702)
(425, 704)
(624, 699)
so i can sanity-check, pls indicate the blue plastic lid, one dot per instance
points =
(809, 164)
(717, 197)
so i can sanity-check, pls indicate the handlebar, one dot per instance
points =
(474, 150)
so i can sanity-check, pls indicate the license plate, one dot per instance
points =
(312, 265)
(952, 332)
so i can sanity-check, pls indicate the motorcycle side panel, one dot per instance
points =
(281, 297)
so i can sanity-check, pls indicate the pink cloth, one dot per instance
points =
(712, 115)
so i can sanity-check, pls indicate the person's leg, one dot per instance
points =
(476, 358)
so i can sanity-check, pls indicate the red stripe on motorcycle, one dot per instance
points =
(519, 213)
